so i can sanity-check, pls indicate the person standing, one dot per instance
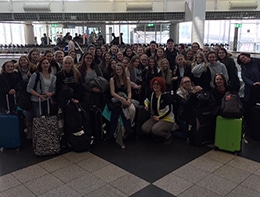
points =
(71, 44)
(41, 86)
(171, 53)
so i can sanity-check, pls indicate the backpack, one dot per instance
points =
(77, 127)
(204, 101)
(231, 106)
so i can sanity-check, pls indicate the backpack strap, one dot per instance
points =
(36, 82)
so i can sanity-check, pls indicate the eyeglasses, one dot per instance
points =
(186, 82)
(155, 83)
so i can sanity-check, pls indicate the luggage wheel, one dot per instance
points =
(1, 149)
(216, 148)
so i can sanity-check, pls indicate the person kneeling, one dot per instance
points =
(162, 117)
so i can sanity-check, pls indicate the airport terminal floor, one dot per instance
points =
(146, 168)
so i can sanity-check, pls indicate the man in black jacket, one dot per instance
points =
(171, 52)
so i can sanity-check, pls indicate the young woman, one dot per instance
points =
(120, 89)
(189, 55)
(125, 62)
(109, 71)
(220, 88)
(151, 72)
(73, 54)
(166, 74)
(8, 82)
(54, 66)
(201, 75)
(88, 69)
(119, 56)
(104, 62)
(231, 68)
(160, 106)
(216, 67)
(135, 76)
(23, 100)
(34, 57)
(128, 52)
(70, 77)
(98, 56)
(181, 69)
(185, 97)
(41, 86)
(160, 54)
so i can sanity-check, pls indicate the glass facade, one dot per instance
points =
(216, 32)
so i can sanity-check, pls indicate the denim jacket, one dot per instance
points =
(39, 89)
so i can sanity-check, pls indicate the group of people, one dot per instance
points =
(164, 80)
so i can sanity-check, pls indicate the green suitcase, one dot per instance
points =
(228, 135)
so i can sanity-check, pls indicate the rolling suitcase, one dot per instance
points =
(45, 134)
(228, 135)
(10, 134)
(202, 129)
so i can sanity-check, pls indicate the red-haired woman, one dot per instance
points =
(162, 117)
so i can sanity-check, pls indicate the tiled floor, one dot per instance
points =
(84, 174)
(145, 168)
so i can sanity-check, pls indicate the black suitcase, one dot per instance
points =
(202, 129)
(141, 116)
(96, 122)
(254, 125)
(77, 128)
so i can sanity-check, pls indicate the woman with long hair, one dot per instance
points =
(8, 82)
(160, 54)
(216, 67)
(41, 86)
(120, 90)
(23, 100)
(231, 68)
(54, 66)
(88, 70)
(151, 71)
(34, 57)
(201, 75)
(133, 73)
(166, 74)
(70, 77)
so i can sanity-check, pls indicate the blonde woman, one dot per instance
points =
(200, 73)
(166, 74)
(69, 76)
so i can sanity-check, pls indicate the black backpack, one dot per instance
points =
(231, 106)
(77, 128)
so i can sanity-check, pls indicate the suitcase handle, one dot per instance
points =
(8, 103)
(48, 106)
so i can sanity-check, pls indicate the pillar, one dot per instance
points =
(198, 11)
(29, 33)
(174, 32)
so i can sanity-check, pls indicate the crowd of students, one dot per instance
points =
(152, 76)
